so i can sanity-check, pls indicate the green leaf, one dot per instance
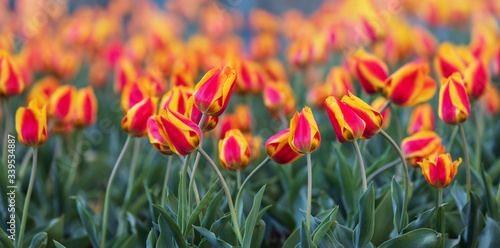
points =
(383, 212)
(292, 240)
(347, 181)
(325, 225)
(258, 234)
(151, 240)
(491, 201)
(39, 240)
(58, 245)
(364, 230)
(165, 238)
(440, 219)
(218, 226)
(197, 210)
(252, 218)
(459, 195)
(471, 215)
(283, 216)
(88, 223)
(4, 240)
(172, 225)
(212, 210)
(305, 236)
(420, 238)
(422, 221)
(211, 238)
(490, 235)
(127, 241)
(344, 235)
(397, 205)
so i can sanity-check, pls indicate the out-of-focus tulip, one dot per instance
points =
(278, 97)
(135, 122)
(449, 59)
(227, 122)
(255, 143)
(317, 94)
(421, 119)
(370, 71)
(263, 21)
(476, 79)
(133, 93)
(180, 133)
(195, 115)
(11, 82)
(153, 80)
(125, 73)
(43, 89)
(250, 78)
(234, 151)
(491, 101)
(347, 125)
(373, 120)
(264, 46)
(176, 99)
(378, 104)
(439, 170)
(275, 70)
(340, 81)
(244, 117)
(31, 124)
(421, 145)
(424, 43)
(304, 132)
(62, 104)
(213, 92)
(278, 149)
(156, 139)
(454, 106)
(86, 107)
(98, 73)
(181, 76)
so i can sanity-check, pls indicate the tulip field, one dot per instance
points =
(232, 123)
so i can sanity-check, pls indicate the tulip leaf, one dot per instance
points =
(151, 239)
(58, 245)
(347, 181)
(490, 235)
(126, 241)
(197, 210)
(165, 238)
(491, 201)
(212, 210)
(292, 240)
(39, 240)
(258, 234)
(398, 198)
(211, 238)
(459, 195)
(4, 240)
(471, 216)
(87, 221)
(252, 218)
(218, 226)
(325, 225)
(419, 238)
(383, 212)
(423, 220)
(305, 236)
(172, 226)
(364, 230)
(344, 235)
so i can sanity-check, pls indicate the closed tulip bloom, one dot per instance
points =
(195, 115)
(125, 73)
(370, 71)
(156, 139)
(275, 96)
(43, 89)
(476, 79)
(181, 76)
(62, 104)
(180, 133)
(304, 132)
(278, 149)
(133, 93)
(378, 104)
(250, 78)
(448, 60)
(135, 121)
(410, 85)
(234, 151)
(11, 81)
(275, 70)
(422, 118)
(317, 94)
(176, 99)
(340, 81)
(439, 170)
(491, 101)
(373, 119)
(213, 92)
(454, 107)
(421, 145)
(347, 125)
(86, 107)
(31, 124)
(244, 117)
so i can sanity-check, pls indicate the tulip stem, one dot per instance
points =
(309, 189)
(76, 162)
(440, 223)
(195, 167)
(28, 197)
(108, 191)
(183, 195)
(382, 169)
(397, 124)
(240, 190)
(479, 135)
(386, 105)
(6, 131)
(24, 166)
(130, 183)
(361, 165)
(238, 178)
(467, 164)
(228, 194)
(165, 181)
(407, 176)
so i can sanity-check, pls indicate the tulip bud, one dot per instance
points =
(212, 93)
(181, 76)
(378, 104)
(11, 82)
(264, 45)
(156, 139)
(244, 117)
(133, 93)
(255, 143)
(227, 122)
(195, 116)
(135, 121)
(421, 145)
(86, 107)
(317, 94)
(234, 151)
(454, 107)
(476, 79)
(340, 81)
(439, 170)
(448, 60)
(43, 89)
(410, 85)
(373, 120)
(370, 71)
(250, 78)
(304, 132)
(125, 73)
(422, 118)
(491, 101)
(62, 104)
(275, 70)
(176, 99)
(31, 124)
(347, 125)
(278, 149)
(275, 96)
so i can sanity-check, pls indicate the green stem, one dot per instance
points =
(479, 134)
(361, 165)
(6, 131)
(397, 124)
(183, 195)
(24, 166)
(387, 104)
(442, 220)
(195, 167)
(108, 191)
(165, 181)
(382, 169)
(228, 194)
(309, 190)
(28, 197)
(76, 161)
(407, 176)
(130, 184)
(240, 190)
(238, 178)
(452, 138)
(467, 164)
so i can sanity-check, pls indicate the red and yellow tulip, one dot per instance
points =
(439, 170)
(195, 115)
(133, 93)
(250, 78)
(43, 89)
(476, 79)
(85, 107)
(234, 151)
(347, 125)
(450, 59)
(156, 139)
(370, 71)
(340, 82)
(278, 149)
(378, 104)
(421, 119)
(176, 99)
(304, 132)
(213, 92)
(373, 119)
(421, 145)
(244, 117)
(135, 121)
(31, 124)
(11, 81)
(125, 73)
(491, 101)
(62, 104)
(454, 106)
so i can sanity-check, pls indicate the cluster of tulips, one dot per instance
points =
(390, 68)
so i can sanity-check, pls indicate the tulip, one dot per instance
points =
(213, 92)
(304, 132)
(250, 78)
(421, 119)
(86, 107)
(424, 43)
(244, 117)
(135, 121)
(125, 73)
(180, 133)
(454, 107)
(156, 139)
(491, 101)
(43, 89)
(421, 145)
(11, 82)
(264, 46)
(176, 99)
(195, 116)
(62, 104)
(449, 59)
(476, 79)
(133, 93)
(373, 120)
(181, 76)
(317, 94)
(31, 124)
(378, 104)
(347, 125)
(255, 143)
(439, 170)
(275, 70)
(234, 151)
(275, 96)
(154, 81)
(298, 53)
(227, 122)
(340, 81)
(279, 150)
(370, 71)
